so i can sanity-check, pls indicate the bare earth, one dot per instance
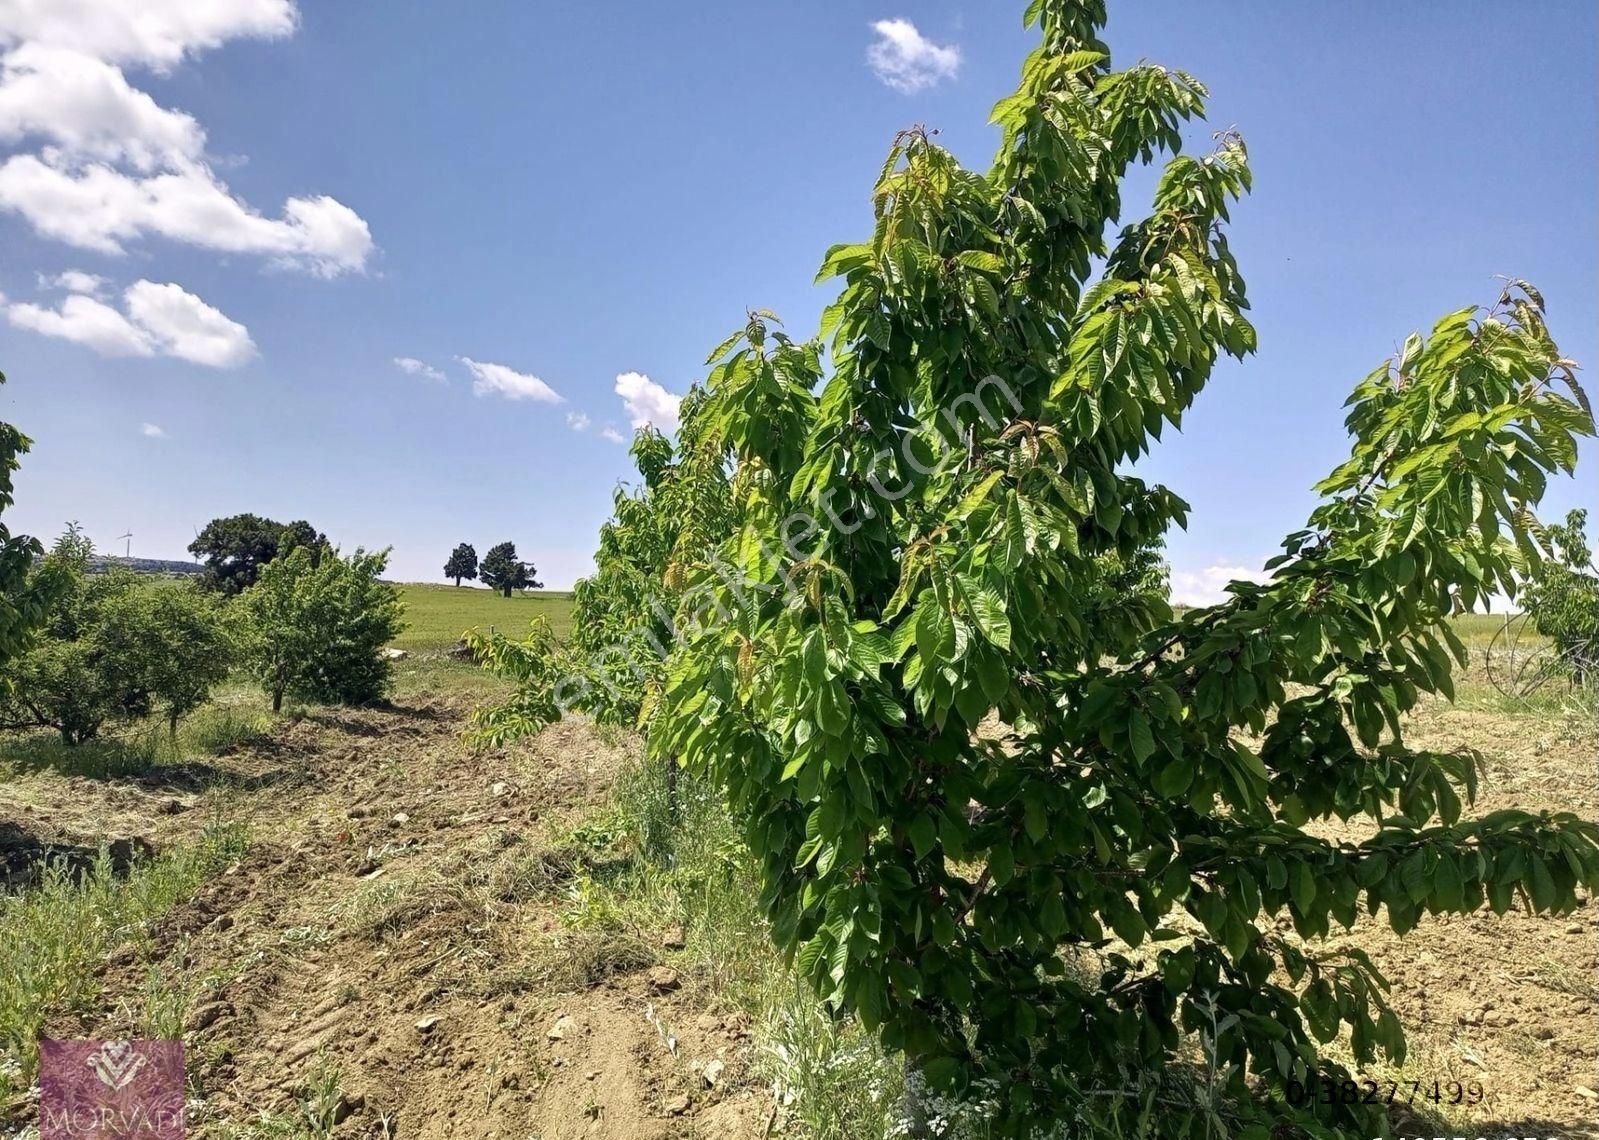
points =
(398, 919)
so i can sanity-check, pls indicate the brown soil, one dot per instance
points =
(399, 916)
(453, 1003)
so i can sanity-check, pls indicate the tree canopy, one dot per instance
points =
(235, 548)
(462, 563)
(501, 570)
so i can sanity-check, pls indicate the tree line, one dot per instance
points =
(279, 603)
(500, 569)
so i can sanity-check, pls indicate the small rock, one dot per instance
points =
(592, 1075)
(1576, 928)
(172, 807)
(674, 938)
(677, 1106)
(663, 979)
(427, 1023)
(1543, 1033)
(206, 1015)
(222, 922)
(392, 654)
(1585, 1091)
(712, 1072)
(499, 788)
(122, 956)
(400, 817)
(358, 812)
(559, 1030)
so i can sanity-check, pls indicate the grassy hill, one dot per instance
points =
(437, 615)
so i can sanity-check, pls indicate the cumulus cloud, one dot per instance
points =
(155, 320)
(73, 281)
(577, 421)
(151, 33)
(908, 61)
(647, 402)
(86, 321)
(1208, 587)
(411, 366)
(152, 431)
(107, 164)
(611, 434)
(499, 380)
(184, 326)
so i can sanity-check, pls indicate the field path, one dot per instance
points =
(390, 954)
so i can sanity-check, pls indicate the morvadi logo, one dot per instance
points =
(117, 1063)
(111, 1090)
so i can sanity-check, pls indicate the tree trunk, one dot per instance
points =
(506, 590)
(277, 698)
(916, 1107)
(172, 724)
(457, 581)
(672, 810)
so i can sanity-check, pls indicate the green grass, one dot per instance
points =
(436, 616)
(56, 938)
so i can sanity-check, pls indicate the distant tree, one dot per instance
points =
(462, 563)
(25, 595)
(236, 547)
(315, 628)
(115, 646)
(1563, 596)
(502, 571)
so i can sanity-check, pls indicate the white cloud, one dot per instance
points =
(647, 402)
(87, 321)
(411, 366)
(152, 431)
(1207, 587)
(577, 421)
(184, 326)
(498, 380)
(73, 281)
(908, 61)
(610, 433)
(153, 33)
(87, 108)
(107, 164)
(158, 320)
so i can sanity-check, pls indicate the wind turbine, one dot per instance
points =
(127, 550)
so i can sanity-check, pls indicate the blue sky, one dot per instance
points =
(277, 203)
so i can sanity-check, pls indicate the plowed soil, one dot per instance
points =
(397, 923)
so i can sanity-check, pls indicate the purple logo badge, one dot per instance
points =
(111, 1090)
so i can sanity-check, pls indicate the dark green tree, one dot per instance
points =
(501, 570)
(462, 563)
(236, 547)
(25, 596)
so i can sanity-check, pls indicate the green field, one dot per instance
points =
(436, 616)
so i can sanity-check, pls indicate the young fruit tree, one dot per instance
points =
(316, 629)
(1050, 841)
(501, 570)
(114, 646)
(1563, 598)
(462, 563)
(622, 615)
(25, 596)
